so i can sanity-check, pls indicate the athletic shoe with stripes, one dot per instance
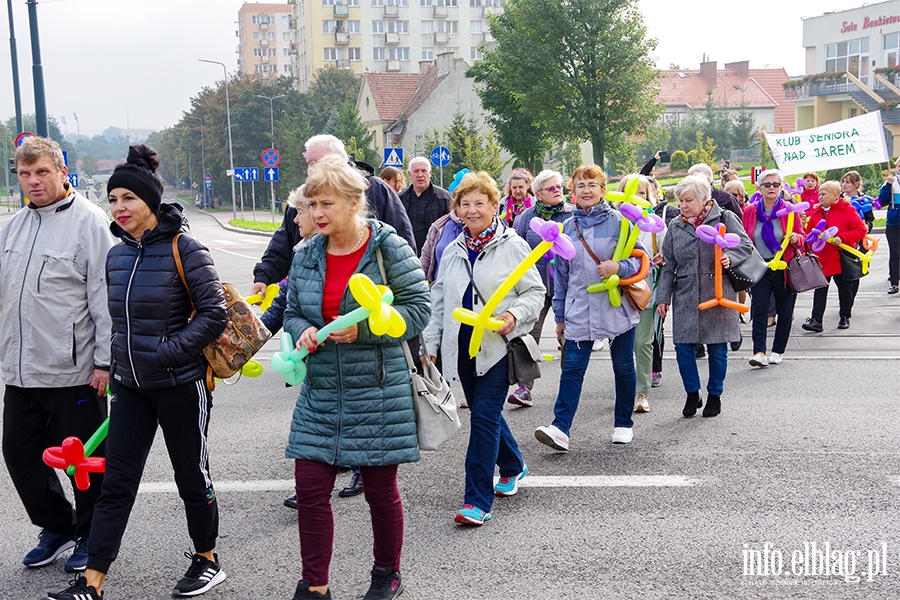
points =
(79, 590)
(201, 576)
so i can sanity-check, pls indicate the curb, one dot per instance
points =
(228, 226)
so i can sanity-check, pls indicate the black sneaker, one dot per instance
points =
(813, 325)
(353, 488)
(50, 545)
(78, 561)
(201, 576)
(291, 501)
(79, 590)
(303, 592)
(386, 584)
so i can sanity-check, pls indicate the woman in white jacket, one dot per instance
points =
(472, 268)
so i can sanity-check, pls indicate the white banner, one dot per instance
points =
(847, 143)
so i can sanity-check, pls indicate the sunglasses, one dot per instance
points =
(553, 188)
(770, 184)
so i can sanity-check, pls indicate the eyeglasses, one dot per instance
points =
(588, 186)
(770, 184)
(552, 188)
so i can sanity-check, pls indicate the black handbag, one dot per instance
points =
(851, 266)
(746, 274)
(804, 273)
(523, 356)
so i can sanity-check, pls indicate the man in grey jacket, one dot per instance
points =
(56, 329)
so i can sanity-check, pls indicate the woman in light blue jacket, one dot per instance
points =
(584, 316)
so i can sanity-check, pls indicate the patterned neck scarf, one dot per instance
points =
(478, 242)
(514, 209)
(768, 228)
(698, 220)
(547, 212)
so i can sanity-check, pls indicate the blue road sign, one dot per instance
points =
(393, 157)
(73, 179)
(209, 185)
(208, 177)
(440, 156)
(271, 174)
(65, 158)
(246, 174)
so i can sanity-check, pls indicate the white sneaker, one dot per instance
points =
(775, 358)
(641, 403)
(599, 345)
(759, 360)
(553, 437)
(622, 435)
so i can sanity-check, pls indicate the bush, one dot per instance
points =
(692, 157)
(871, 176)
(679, 161)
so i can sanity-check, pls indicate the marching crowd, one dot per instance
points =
(88, 306)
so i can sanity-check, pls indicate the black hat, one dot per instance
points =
(138, 174)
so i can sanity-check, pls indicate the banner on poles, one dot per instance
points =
(847, 143)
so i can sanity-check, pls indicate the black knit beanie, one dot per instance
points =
(138, 174)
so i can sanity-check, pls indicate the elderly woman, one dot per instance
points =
(836, 212)
(584, 316)
(517, 196)
(355, 405)
(687, 279)
(550, 206)
(472, 268)
(767, 230)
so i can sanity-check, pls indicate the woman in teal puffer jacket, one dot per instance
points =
(355, 405)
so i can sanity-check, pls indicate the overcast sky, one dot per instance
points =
(134, 62)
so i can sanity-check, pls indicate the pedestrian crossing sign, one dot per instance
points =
(393, 157)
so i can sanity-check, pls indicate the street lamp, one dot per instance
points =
(271, 100)
(230, 148)
(202, 157)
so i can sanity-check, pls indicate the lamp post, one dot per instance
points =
(202, 158)
(271, 100)
(230, 147)
(37, 70)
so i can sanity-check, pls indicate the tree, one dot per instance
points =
(89, 164)
(330, 89)
(570, 155)
(591, 60)
(357, 138)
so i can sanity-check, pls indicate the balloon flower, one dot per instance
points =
(251, 369)
(75, 459)
(644, 220)
(456, 179)
(374, 306)
(553, 240)
(629, 194)
(862, 204)
(819, 235)
(777, 264)
(869, 243)
(272, 291)
(722, 241)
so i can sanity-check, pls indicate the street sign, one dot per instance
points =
(440, 156)
(393, 157)
(271, 174)
(73, 179)
(22, 137)
(209, 185)
(90, 182)
(65, 158)
(246, 174)
(208, 177)
(194, 185)
(271, 157)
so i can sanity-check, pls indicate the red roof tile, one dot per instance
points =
(771, 80)
(392, 91)
(688, 88)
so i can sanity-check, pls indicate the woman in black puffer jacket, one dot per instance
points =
(158, 371)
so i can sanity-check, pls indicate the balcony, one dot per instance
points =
(263, 26)
(440, 12)
(340, 10)
(441, 38)
(491, 10)
(341, 38)
(391, 39)
(263, 42)
(342, 64)
(486, 37)
(391, 11)
(264, 59)
(393, 66)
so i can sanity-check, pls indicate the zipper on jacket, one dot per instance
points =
(74, 346)
(170, 370)
(337, 437)
(22, 296)
(41, 274)
(137, 260)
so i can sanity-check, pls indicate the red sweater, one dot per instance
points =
(338, 270)
(851, 229)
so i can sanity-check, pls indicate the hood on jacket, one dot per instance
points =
(171, 221)
(594, 215)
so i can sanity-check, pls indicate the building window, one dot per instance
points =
(424, 2)
(258, 68)
(272, 35)
(476, 54)
(352, 2)
(272, 51)
(852, 57)
(258, 51)
(448, 26)
(474, 3)
(353, 26)
(475, 26)
(329, 26)
(427, 27)
(377, 26)
(257, 35)
(398, 53)
(332, 54)
(271, 20)
(354, 54)
(285, 19)
(377, 2)
(398, 2)
(286, 36)
(427, 53)
(891, 46)
(378, 53)
(288, 68)
(446, 2)
(398, 27)
(327, 2)
(285, 51)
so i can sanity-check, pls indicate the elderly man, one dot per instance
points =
(56, 331)
(722, 198)
(424, 202)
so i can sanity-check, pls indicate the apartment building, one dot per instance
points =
(385, 36)
(265, 39)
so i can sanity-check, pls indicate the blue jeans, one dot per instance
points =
(771, 285)
(578, 354)
(718, 367)
(490, 439)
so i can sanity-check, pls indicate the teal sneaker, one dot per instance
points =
(471, 515)
(508, 486)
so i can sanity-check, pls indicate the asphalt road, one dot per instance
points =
(804, 452)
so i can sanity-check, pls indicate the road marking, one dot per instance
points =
(264, 485)
(234, 253)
